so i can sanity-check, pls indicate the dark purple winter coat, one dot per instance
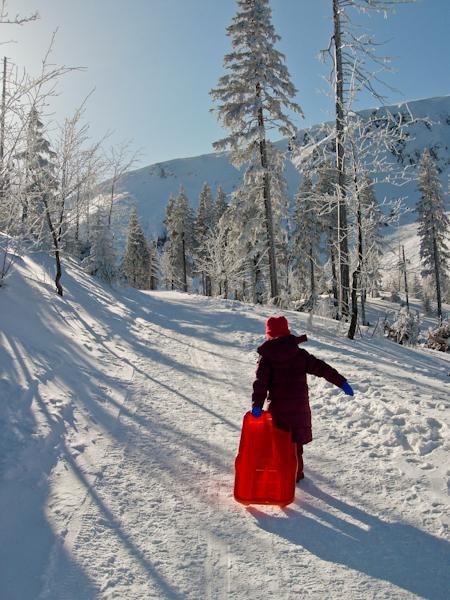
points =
(282, 371)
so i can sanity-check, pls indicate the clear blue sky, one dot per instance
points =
(153, 62)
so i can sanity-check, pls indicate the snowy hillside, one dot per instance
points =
(404, 235)
(120, 416)
(150, 187)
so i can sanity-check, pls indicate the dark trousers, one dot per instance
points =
(299, 458)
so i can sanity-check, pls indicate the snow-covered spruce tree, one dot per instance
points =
(252, 97)
(373, 222)
(136, 261)
(305, 240)
(40, 183)
(220, 204)
(204, 224)
(439, 338)
(434, 226)
(179, 222)
(20, 130)
(214, 256)
(247, 238)
(426, 306)
(102, 258)
(248, 231)
(155, 273)
(417, 287)
(50, 178)
(222, 261)
(169, 252)
(403, 328)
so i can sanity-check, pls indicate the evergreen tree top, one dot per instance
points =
(257, 79)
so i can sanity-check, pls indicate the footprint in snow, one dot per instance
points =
(427, 466)
(427, 447)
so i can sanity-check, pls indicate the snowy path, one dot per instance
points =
(140, 501)
(160, 521)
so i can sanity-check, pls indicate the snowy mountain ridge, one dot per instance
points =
(150, 187)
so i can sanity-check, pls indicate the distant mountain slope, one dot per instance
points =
(149, 187)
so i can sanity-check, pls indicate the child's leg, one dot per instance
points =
(300, 462)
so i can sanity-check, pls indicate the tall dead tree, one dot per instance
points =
(355, 64)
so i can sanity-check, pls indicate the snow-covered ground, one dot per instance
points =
(120, 415)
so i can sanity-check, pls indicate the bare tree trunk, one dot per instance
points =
(2, 118)
(3, 185)
(111, 200)
(357, 272)
(183, 244)
(354, 315)
(257, 281)
(363, 306)
(333, 273)
(25, 212)
(267, 202)
(437, 276)
(62, 203)
(55, 239)
(405, 278)
(340, 160)
(311, 273)
(88, 222)
(77, 217)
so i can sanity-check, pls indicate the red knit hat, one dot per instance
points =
(277, 327)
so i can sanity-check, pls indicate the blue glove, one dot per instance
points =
(256, 411)
(347, 388)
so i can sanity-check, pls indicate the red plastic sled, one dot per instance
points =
(266, 464)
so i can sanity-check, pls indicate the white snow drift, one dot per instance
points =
(120, 416)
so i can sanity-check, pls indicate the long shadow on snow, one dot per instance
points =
(127, 335)
(31, 519)
(417, 362)
(176, 314)
(165, 588)
(157, 431)
(395, 552)
(139, 305)
(124, 327)
(145, 352)
(27, 536)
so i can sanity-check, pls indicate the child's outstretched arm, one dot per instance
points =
(261, 383)
(320, 368)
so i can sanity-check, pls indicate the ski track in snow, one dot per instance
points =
(141, 497)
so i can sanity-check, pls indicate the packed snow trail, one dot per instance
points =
(139, 501)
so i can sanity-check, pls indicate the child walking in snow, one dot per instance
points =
(281, 372)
